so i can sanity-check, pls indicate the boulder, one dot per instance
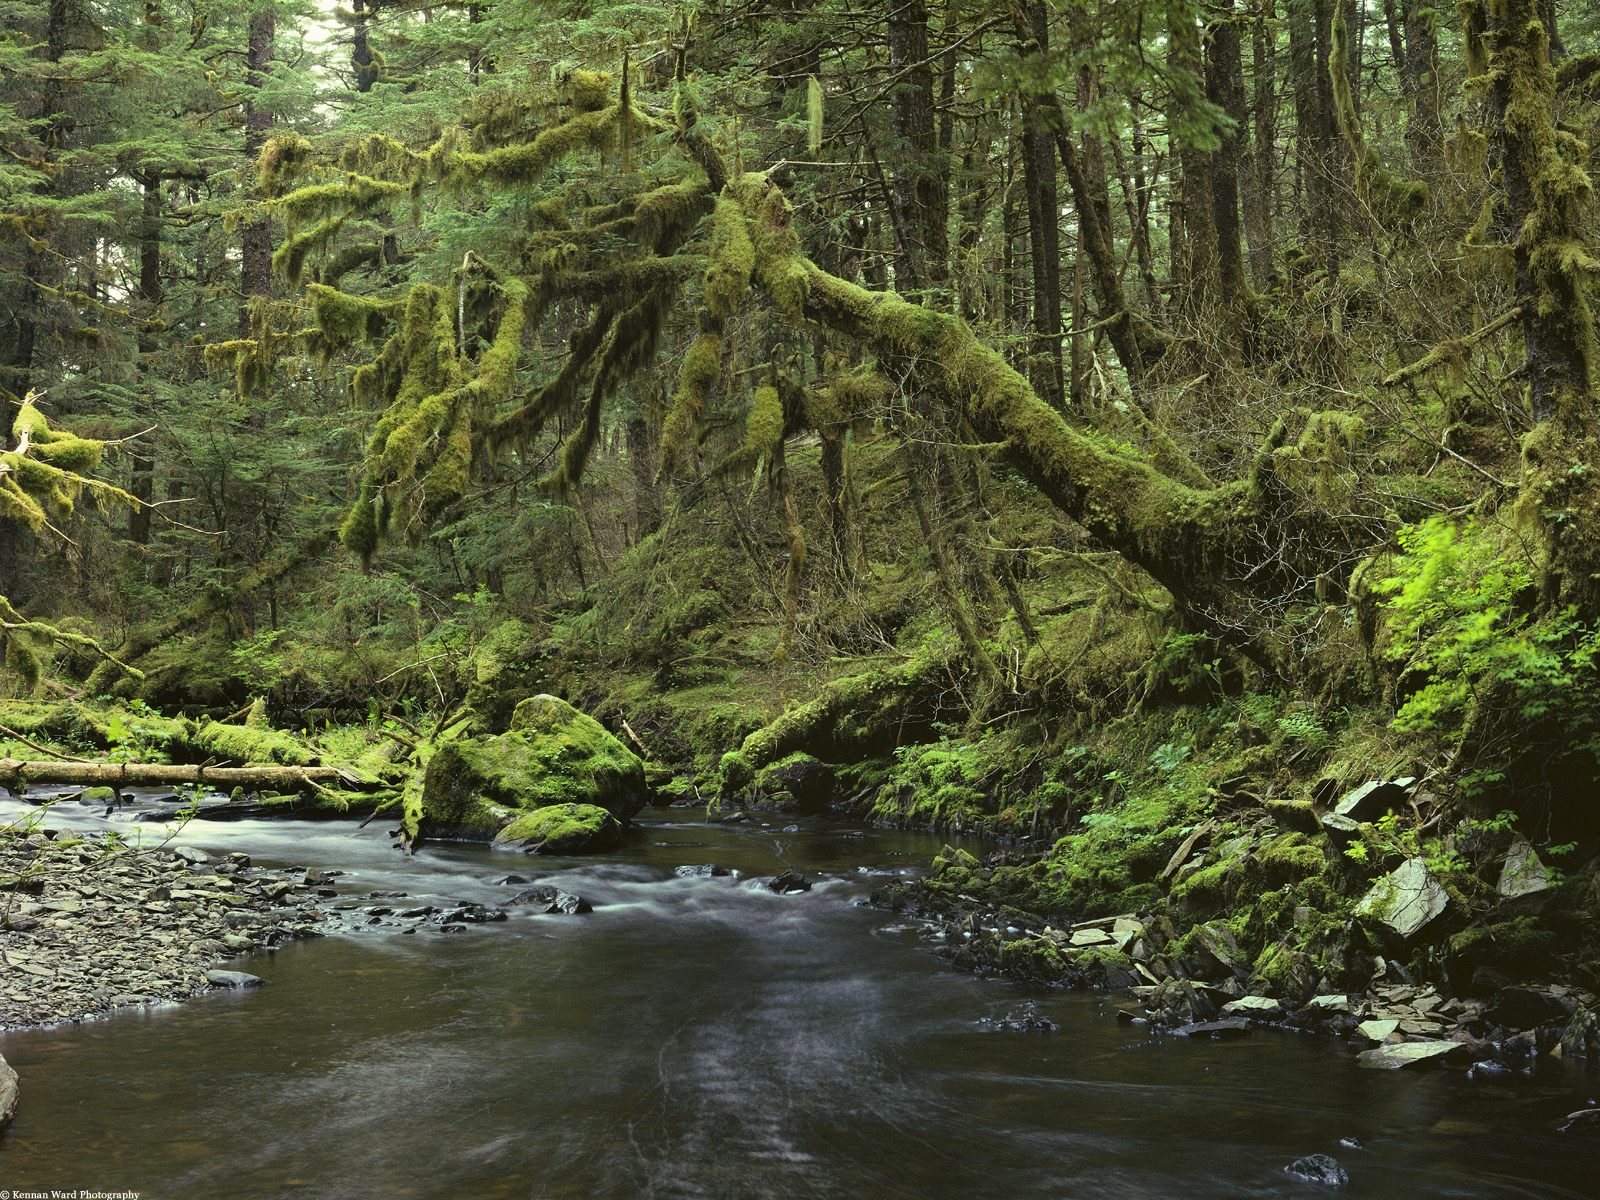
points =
(1518, 1007)
(1373, 798)
(1319, 1168)
(798, 783)
(1524, 873)
(788, 883)
(1262, 1008)
(8, 1093)
(552, 755)
(562, 829)
(1396, 1055)
(1405, 900)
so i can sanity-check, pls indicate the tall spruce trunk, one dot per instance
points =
(921, 179)
(1257, 186)
(255, 265)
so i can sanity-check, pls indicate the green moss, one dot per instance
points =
(697, 375)
(563, 829)
(733, 258)
(763, 423)
(243, 745)
(552, 754)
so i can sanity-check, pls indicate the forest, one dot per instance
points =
(1149, 446)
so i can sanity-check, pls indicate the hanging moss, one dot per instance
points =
(344, 319)
(1390, 196)
(280, 158)
(522, 425)
(289, 259)
(594, 131)
(813, 114)
(763, 422)
(420, 455)
(697, 375)
(323, 201)
(733, 259)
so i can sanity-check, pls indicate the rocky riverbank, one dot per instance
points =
(1198, 983)
(90, 924)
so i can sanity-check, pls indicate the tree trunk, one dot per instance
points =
(921, 180)
(1257, 192)
(1225, 88)
(1317, 140)
(1547, 223)
(142, 482)
(1424, 133)
(361, 61)
(255, 266)
(17, 773)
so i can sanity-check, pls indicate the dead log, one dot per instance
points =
(16, 774)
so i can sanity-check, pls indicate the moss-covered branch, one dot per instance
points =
(1216, 549)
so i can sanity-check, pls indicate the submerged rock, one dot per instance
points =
(1025, 1018)
(1585, 1122)
(1228, 1027)
(233, 979)
(552, 755)
(1322, 1169)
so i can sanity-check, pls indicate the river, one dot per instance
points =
(707, 1038)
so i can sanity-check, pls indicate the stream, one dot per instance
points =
(707, 1038)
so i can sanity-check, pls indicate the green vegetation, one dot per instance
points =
(1063, 425)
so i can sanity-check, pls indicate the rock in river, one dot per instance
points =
(553, 755)
(562, 829)
(8, 1093)
(547, 898)
(1405, 1054)
(1319, 1168)
(233, 979)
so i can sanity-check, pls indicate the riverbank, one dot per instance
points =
(89, 924)
(1197, 981)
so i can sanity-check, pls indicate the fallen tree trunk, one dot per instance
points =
(16, 773)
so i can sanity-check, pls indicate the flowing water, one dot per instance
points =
(706, 1038)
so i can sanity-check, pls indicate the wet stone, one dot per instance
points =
(1320, 1169)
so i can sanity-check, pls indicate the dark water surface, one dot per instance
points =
(706, 1038)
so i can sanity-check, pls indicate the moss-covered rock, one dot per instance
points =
(503, 668)
(562, 829)
(795, 783)
(552, 755)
